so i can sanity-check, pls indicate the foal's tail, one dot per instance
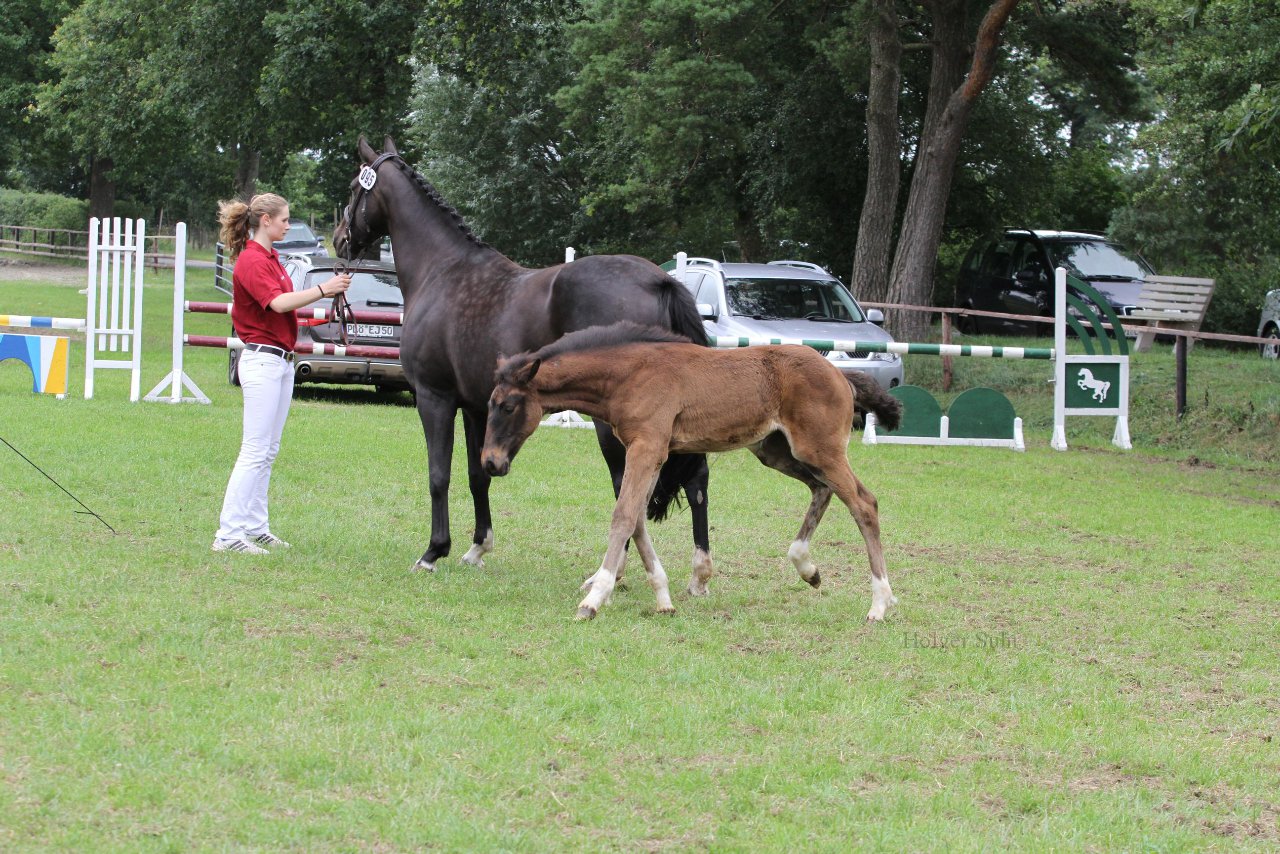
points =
(869, 397)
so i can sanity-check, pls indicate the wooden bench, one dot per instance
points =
(1170, 302)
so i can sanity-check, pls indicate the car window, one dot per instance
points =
(1096, 258)
(973, 260)
(366, 286)
(690, 281)
(299, 232)
(1026, 258)
(709, 291)
(780, 299)
(998, 259)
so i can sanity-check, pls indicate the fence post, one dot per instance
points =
(1180, 353)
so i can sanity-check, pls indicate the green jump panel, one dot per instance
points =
(981, 413)
(921, 414)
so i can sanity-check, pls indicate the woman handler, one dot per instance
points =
(262, 310)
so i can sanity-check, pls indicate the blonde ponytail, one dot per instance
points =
(238, 219)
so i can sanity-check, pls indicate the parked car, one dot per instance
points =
(300, 240)
(1269, 325)
(788, 299)
(1012, 272)
(374, 287)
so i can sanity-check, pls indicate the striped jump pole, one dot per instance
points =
(308, 315)
(357, 350)
(899, 347)
(26, 321)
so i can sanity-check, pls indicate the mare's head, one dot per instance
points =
(364, 219)
(514, 413)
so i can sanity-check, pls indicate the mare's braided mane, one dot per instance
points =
(439, 201)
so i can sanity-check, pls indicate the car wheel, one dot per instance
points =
(1271, 350)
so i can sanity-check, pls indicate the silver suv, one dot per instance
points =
(787, 299)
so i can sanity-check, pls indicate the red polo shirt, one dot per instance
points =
(257, 280)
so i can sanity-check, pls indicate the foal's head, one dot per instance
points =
(514, 413)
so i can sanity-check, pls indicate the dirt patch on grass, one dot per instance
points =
(1265, 826)
(22, 270)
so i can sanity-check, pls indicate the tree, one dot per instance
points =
(1203, 204)
(952, 95)
(870, 278)
(26, 33)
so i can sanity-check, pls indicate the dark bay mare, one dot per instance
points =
(664, 394)
(466, 304)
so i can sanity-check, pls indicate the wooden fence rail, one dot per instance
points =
(66, 243)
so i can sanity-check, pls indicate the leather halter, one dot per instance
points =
(366, 180)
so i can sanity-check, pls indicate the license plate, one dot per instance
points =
(370, 330)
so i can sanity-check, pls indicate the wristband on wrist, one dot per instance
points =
(320, 288)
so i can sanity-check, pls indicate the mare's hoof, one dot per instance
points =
(585, 612)
(696, 589)
(422, 564)
(667, 612)
(815, 580)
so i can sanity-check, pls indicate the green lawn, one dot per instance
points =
(1084, 655)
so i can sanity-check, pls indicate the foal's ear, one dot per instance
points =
(525, 375)
(389, 146)
(367, 154)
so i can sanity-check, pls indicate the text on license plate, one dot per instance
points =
(370, 330)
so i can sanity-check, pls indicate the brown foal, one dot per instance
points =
(663, 394)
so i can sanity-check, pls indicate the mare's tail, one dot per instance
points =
(679, 469)
(675, 473)
(869, 397)
(681, 311)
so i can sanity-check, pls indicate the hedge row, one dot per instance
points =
(49, 210)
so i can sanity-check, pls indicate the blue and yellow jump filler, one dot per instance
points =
(45, 355)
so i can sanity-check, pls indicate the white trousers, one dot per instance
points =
(267, 383)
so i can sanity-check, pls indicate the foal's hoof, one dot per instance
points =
(585, 612)
(422, 564)
(815, 579)
(697, 588)
(667, 612)
(878, 609)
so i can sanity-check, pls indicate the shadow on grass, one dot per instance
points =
(352, 394)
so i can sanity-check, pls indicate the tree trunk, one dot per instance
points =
(247, 172)
(870, 280)
(746, 227)
(946, 117)
(102, 188)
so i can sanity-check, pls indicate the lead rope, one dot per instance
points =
(340, 310)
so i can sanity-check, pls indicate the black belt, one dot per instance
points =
(267, 348)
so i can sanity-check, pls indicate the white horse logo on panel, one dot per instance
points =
(1098, 387)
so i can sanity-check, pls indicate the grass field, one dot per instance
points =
(1084, 657)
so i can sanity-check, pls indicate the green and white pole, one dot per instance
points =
(901, 348)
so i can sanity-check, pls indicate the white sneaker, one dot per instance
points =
(242, 546)
(270, 539)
